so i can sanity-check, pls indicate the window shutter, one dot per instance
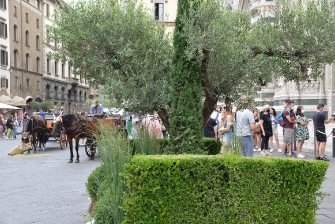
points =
(6, 57)
(5, 29)
(6, 83)
(4, 4)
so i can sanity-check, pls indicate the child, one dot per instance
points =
(16, 125)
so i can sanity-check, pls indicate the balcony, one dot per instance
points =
(73, 80)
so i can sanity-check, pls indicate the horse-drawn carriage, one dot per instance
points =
(75, 126)
(40, 131)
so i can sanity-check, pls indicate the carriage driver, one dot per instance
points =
(97, 109)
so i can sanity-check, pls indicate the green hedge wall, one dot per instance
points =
(222, 189)
(212, 147)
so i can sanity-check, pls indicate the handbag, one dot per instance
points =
(257, 131)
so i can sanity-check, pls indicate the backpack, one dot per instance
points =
(281, 119)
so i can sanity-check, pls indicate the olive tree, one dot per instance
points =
(122, 47)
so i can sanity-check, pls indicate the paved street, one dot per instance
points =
(44, 189)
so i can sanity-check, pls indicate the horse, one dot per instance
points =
(76, 127)
(36, 127)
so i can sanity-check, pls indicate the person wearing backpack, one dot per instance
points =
(288, 119)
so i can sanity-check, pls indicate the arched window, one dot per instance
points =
(75, 95)
(85, 96)
(38, 4)
(37, 42)
(15, 58)
(56, 92)
(80, 96)
(56, 70)
(62, 93)
(37, 65)
(16, 34)
(27, 37)
(27, 61)
(48, 90)
(48, 65)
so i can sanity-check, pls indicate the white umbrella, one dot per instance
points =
(5, 106)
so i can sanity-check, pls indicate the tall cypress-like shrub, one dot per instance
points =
(186, 113)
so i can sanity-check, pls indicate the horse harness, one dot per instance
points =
(75, 129)
(37, 122)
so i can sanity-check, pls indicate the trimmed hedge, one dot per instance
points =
(102, 213)
(97, 176)
(222, 189)
(211, 146)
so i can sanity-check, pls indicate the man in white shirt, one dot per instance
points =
(245, 126)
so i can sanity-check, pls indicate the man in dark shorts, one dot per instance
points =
(319, 122)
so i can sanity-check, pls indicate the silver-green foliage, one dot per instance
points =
(117, 45)
(300, 39)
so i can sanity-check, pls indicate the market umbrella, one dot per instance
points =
(5, 106)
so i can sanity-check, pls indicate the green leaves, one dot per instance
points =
(221, 189)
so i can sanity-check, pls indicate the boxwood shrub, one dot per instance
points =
(212, 147)
(221, 189)
(97, 176)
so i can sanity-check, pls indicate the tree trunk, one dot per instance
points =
(163, 114)
(211, 98)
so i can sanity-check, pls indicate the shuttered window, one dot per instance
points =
(3, 30)
(4, 57)
(48, 10)
(3, 4)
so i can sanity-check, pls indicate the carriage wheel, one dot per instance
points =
(89, 149)
(62, 141)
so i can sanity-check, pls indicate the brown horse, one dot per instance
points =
(37, 128)
(76, 127)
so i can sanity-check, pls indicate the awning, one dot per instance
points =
(6, 106)
(6, 100)
(28, 97)
(19, 101)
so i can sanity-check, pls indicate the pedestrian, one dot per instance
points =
(130, 124)
(275, 122)
(152, 125)
(42, 114)
(2, 126)
(319, 122)
(289, 119)
(16, 125)
(216, 115)
(266, 130)
(257, 133)
(302, 132)
(210, 129)
(227, 130)
(9, 125)
(245, 126)
(163, 129)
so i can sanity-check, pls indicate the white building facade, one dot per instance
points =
(4, 49)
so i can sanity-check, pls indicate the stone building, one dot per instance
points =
(306, 94)
(61, 86)
(4, 49)
(25, 46)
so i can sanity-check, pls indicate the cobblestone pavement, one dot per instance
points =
(44, 189)
(326, 212)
